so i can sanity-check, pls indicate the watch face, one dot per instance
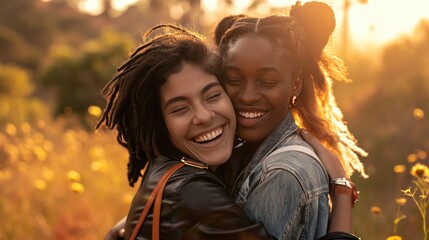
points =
(343, 185)
(342, 181)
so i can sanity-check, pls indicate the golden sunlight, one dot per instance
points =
(209, 5)
(381, 21)
(280, 3)
(93, 7)
(242, 4)
(374, 22)
(121, 5)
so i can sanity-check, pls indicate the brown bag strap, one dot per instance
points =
(156, 196)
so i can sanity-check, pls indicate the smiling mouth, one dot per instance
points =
(210, 136)
(251, 115)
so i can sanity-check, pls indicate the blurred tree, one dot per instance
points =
(77, 76)
(29, 27)
(17, 104)
(403, 86)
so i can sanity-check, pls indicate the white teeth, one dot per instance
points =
(251, 114)
(209, 136)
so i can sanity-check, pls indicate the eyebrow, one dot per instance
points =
(181, 98)
(261, 69)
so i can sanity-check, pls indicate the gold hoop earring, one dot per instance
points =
(294, 101)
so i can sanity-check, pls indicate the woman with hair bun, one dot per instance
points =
(279, 79)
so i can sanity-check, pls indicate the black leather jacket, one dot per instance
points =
(195, 205)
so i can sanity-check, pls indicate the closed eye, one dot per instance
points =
(233, 82)
(213, 97)
(267, 83)
(179, 109)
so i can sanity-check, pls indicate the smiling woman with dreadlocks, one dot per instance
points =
(170, 110)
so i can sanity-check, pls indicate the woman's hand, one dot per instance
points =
(117, 231)
(330, 161)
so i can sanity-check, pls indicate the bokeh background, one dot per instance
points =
(59, 179)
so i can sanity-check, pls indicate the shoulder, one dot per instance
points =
(183, 176)
(295, 164)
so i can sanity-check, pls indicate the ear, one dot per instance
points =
(297, 86)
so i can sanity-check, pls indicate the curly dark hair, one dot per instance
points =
(301, 39)
(133, 94)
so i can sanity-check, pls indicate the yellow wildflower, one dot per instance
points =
(422, 155)
(96, 152)
(400, 168)
(401, 201)
(99, 166)
(40, 124)
(407, 192)
(419, 170)
(418, 113)
(394, 237)
(10, 129)
(73, 175)
(411, 158)
(70, 136)
(39, 184)
(94, 111)
(40, 153)
(77, 187)
(375, 210)
(25, 127)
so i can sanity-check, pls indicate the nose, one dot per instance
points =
(249, 94)
(202, 114)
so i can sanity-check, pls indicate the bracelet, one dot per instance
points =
(343, 185)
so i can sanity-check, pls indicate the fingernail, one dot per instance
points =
(304, 132)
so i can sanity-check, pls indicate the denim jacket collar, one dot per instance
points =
(283, 130)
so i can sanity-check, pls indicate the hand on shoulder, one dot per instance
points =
(329, 159)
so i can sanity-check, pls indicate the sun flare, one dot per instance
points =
(381, 21)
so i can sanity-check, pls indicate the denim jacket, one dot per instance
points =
(287, 192)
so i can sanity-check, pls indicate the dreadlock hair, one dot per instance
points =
(301, 39)
(133, 94)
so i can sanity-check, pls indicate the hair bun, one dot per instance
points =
(318, 21)
(224, 25)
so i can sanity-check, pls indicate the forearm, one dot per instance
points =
(341, 215)
(341, 219)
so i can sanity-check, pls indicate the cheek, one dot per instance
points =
(227, 109)
(176, 130)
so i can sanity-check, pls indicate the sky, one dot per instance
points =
(376, 22)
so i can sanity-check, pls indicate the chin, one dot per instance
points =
(251, 136)
(217, 160)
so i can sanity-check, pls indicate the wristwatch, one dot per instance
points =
(343, 185)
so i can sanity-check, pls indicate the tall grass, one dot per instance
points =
(58, 181)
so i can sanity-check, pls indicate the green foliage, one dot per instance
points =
(76, 76)
(16, 103)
